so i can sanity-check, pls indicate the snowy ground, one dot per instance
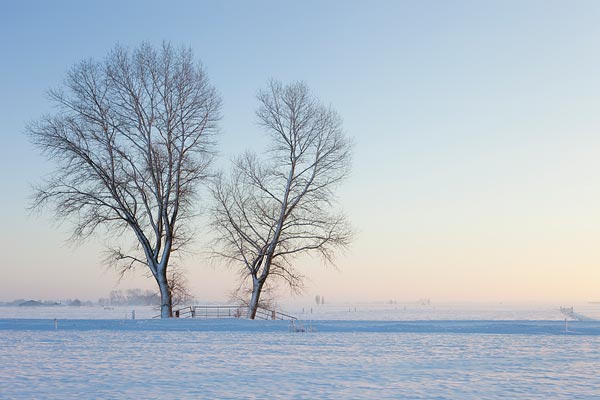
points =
(90, 357)
(350, 311)
(442, 311)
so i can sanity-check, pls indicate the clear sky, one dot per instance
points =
(477, 126)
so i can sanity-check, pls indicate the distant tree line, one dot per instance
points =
(131, 297)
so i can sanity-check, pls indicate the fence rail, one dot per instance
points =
(228, 311)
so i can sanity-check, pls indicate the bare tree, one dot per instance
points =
(132, 138)
(178, 286)
(270, 211)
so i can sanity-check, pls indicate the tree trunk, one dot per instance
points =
(257, 286)
(166, 303)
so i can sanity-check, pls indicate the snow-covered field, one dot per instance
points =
(350, 311)
(443, 311)
(480, 354)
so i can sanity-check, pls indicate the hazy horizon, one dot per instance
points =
(475, 173)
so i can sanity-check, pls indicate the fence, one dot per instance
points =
(228, 312)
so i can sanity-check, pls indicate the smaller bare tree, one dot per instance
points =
(179, 287)
(270, 211)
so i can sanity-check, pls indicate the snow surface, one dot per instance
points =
(87, 357)
(350, 311)
(442, 311)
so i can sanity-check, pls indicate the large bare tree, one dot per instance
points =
(132, 137)
(272, 209)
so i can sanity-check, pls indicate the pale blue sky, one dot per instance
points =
(477, 161)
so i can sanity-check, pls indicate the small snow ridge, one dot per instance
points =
(322, 326)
